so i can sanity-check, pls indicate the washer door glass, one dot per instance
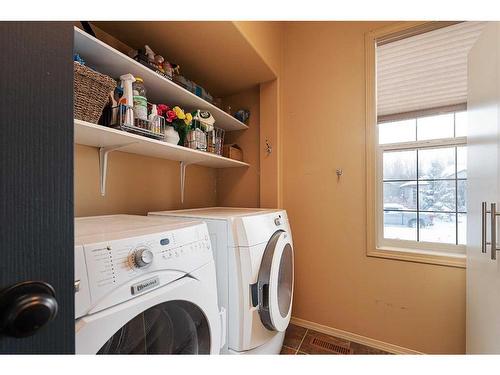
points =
(174, 327)
(274, 288)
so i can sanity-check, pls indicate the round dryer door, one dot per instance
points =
(174, 327)
(275, 283)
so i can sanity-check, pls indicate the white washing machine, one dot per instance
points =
(144, 285)
(253, 253)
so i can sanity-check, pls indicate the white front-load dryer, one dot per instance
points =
(145, 286)
(253, 252)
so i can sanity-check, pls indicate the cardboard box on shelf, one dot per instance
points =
(233, 151)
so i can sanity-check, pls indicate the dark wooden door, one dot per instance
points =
(36, 176)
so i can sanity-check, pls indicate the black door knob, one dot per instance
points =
(26, 307)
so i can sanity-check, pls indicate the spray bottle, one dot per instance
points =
(128, 97)
(154, 120)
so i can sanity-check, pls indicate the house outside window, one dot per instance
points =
(423, 182)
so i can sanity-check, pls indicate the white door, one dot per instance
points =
(483, 272)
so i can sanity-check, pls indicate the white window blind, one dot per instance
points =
(425, 71)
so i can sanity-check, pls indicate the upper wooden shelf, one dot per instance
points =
(215, 54)
(108, 60)
(100, 136)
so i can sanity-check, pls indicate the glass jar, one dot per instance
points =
(138, 87)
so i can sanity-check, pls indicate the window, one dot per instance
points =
(422, 176)
(416, 149)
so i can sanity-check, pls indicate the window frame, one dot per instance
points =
(409, 244)
(413, 251)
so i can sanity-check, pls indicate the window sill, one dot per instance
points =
(410, 255)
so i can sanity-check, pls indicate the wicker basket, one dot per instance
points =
(91, 92)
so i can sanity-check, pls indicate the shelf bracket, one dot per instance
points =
(103, 164)
(183, 165)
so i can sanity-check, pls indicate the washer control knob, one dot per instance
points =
(142, 257)
(277, 221)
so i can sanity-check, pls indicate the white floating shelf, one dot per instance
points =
(108, 60)
(100, 136)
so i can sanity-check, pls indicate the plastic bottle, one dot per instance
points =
(127, 82)
(140, 101)
(154, 120)
(140, 108)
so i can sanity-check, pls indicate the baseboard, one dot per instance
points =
(391, 348)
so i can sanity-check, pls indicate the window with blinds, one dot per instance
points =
(424, 71)
(421, 83)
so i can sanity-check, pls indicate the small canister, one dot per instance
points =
(140, 107)
(138, 87)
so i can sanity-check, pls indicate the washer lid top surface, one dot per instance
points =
(222, 213)
(249, 226)
(111, 227)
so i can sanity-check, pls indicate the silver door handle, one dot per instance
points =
(493, 223)
(493, 214)
(483, 226)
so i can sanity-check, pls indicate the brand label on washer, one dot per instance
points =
(145, 285)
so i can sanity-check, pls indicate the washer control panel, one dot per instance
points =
(115, 263)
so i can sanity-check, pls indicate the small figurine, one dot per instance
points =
(155, 61)
(159, 62)
(149, 53)
(159, 59)
(167, 67)
(242, 115)
(78, 59)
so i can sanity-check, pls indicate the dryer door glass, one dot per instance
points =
(285, 281)
(174, 327)
(275, 284)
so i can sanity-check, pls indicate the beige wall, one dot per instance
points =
(239, 187)
(266, 38)
(270, 163)
(137, 184)
(418, 306)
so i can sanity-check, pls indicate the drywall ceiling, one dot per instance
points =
(212, 53)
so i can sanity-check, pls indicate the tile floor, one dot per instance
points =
(299, 340)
